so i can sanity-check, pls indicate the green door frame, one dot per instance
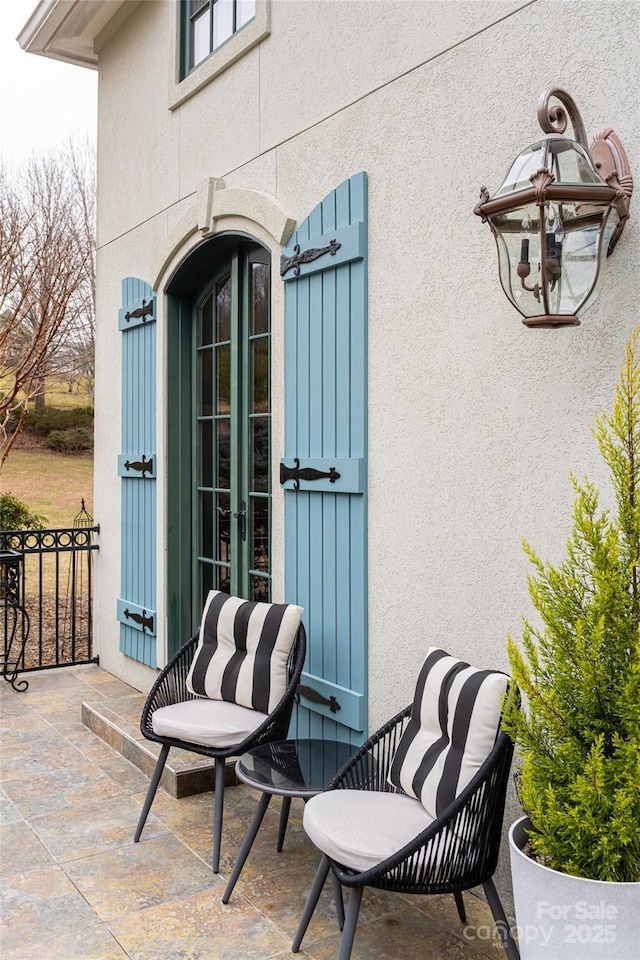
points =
(189, 288)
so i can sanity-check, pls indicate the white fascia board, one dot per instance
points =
(66, 29)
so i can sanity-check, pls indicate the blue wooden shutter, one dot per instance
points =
(325, 272)
(136, 605)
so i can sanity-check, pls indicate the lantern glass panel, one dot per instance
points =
(578, 256)
(523, 167)
(516, 246)
(582, 233)
(606, 233)
(570, 163)
(564, 158)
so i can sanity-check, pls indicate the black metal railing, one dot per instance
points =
(47, 619)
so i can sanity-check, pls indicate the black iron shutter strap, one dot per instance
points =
(140, 313)
(144, 466)
(307, 256)
(145, 622)
(297, 473)
(310, 694)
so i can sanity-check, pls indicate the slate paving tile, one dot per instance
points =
(72, 729)
(97, 750)
(161, 801)
(105, 684)
(264, 858)
(92, 828)
(128, 707)
(19, 723)
(19, 734)
(22, 850)
(39, 905)
(140, 875)
(198, 836)
(300, 955)
(42, 682)
(179, 815)
(75, 780)
(29, 761)
(407, 934)
(480, 927)
(14, 704)
(9, 813)
(92, 942)
(211, 930)
(281, 895)
(126, 774)
(59, 703)
(110, 726)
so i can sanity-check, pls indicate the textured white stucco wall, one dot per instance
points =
(474, 420)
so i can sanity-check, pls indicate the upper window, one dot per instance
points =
(207, 24)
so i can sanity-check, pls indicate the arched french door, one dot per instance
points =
(218, 482)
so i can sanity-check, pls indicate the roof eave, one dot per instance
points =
(67, 29)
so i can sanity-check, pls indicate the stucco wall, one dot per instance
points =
(474, 420)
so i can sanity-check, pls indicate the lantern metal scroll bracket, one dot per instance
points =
(606, 150)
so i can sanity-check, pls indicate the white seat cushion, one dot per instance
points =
(361, 828)
(212, 723)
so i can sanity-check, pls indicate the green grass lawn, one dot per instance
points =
(57, 393)
(52, 484)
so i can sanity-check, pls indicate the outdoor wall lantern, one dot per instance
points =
(560, 210)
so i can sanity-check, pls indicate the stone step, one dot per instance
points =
(184, 773)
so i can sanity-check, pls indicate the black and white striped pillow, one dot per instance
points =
(243, 650)
(452, 729)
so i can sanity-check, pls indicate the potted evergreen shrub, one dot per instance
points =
(575, 857)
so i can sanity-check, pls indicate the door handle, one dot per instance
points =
(241, 515)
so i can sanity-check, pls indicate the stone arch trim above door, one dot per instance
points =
(219, 210)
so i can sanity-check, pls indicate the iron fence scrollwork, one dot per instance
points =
(46, 597)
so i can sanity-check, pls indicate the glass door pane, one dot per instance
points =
(232, 397)
(258, 406)
(222, 324)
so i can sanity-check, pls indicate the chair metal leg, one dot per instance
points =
(462, 913)
(284, 819)
(337, 896)
(349, 932)
(502, 924)
(151, 792)
(247, 843)
(310, 905)
(218, 809)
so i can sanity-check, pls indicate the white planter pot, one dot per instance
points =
(560, 917)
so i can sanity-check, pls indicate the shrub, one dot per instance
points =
(75, 440)
(580, 670)
(16, 515)
(42, 422)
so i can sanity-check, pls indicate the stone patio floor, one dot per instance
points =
(75, 886)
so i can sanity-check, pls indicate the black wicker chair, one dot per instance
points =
(457, 851)
(171, 688)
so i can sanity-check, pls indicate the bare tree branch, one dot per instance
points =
(47, 279)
